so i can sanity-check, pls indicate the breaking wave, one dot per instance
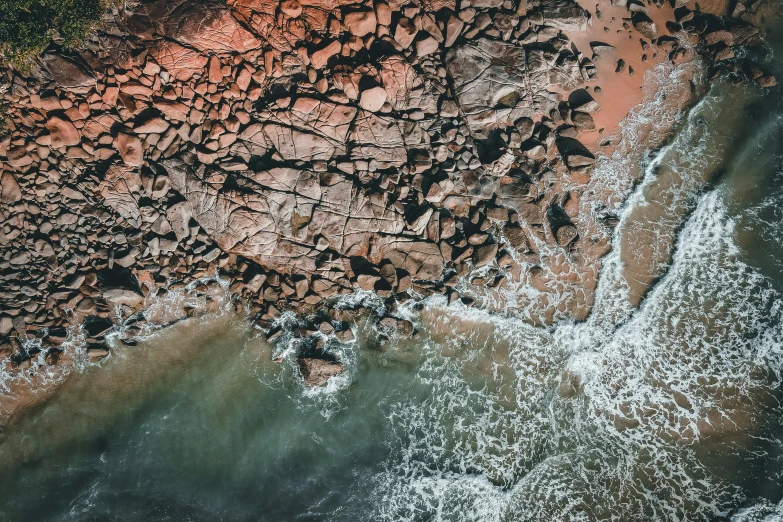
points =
(564, 424)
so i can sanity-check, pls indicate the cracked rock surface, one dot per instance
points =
(302, 150)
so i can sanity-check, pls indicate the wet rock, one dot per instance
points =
(566, 234)
(317, 372)
(97, 353)
(122, 296)
(396, 326)
(345, 336)
(484, 254)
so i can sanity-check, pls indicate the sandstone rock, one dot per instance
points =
(153, 125)
(454, 28)
(291, 8)
(62, 131)
(317, 372)
(360, 23)
(129, 147)
(386, 140)
(10, 192)
(319, 58)
(180, 62)
(178, 215)
(372, 99)
(426, 46)
(214, 70)
(421, 260)
(122, 296)
(209, 27)
(405, 32)
(120, 191)
(491, 83)
(383, 13)
(6, 325)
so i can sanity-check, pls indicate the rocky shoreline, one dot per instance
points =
(304, 150)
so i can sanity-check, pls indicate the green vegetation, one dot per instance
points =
(27, 26)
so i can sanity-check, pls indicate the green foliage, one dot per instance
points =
(27, 26)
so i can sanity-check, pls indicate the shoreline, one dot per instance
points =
(495, 245)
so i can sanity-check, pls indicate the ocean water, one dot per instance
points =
(669, 410)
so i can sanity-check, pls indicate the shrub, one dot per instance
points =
(27, 26)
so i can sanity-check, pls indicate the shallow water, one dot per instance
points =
(668, 411)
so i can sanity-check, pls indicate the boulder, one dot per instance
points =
(566, 15)
(422, 260)
(317, 372)
(70, 73)
(122, 296)
(405, 32)
(10, 192)
(645, 26)
(319, 58)
(62, 132)
(360, 23)
(129, 147)
(372, 99)
(395, 326)
(497, 83)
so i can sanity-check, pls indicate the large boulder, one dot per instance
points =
(566, 15)
(422, 260)
(209, 27)
(317, 372)
(9, 188)
(67, 72)
(497, 83)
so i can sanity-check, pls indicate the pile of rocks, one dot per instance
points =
(304, 149)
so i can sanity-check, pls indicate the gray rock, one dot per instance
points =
(70, 73)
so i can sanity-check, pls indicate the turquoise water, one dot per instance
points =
(666, 412)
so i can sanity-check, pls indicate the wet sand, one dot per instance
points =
(618, 40)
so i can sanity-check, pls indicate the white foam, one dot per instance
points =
(505, 437)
